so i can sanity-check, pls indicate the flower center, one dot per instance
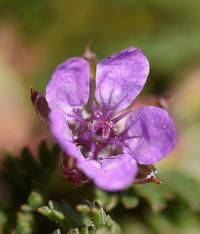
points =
(98, 135)
(103, 126)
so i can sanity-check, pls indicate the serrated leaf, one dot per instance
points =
(95, 213)
(56, 216)
(67, 211)
(24, 173)
(44, 210)
(97, 216)
(15, 176)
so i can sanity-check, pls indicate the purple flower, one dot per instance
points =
(105, 151)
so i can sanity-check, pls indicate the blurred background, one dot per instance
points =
(35, 36)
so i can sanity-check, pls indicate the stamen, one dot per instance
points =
(97, 114)
(121, 116)
(99, 133)
(106, 132)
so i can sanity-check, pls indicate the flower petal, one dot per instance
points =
(69, 85)
(60, 130)
(150, 134)
(113, 173)
(120, 78)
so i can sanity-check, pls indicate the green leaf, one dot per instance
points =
(73, 217)
(184, 187)
(48, 174)
(93, 218)
(95, 215)
(83, 209)
(26, 173)
(35, 200)
(62, 214)
(25, 223)
(56, 216)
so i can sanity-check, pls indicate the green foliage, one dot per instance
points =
(185, 188)
(27, 181)
(89, 218)
(171, 207)
(30, 182)
(177, 185)
(27, 172)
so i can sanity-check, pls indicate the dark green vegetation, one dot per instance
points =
(34, 188)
